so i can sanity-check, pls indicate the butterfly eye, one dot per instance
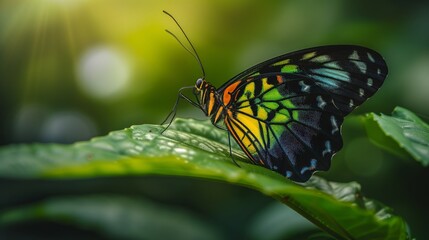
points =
(199, 83)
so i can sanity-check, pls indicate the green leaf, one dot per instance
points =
(198, 149)
(274, 218)
(403, 134)
(116, 216)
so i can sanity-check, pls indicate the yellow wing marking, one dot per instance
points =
(211, 103)
(265, 85)
(283, 62)
(308, 55)
(249, 92)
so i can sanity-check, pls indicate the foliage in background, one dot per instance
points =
(403, 134)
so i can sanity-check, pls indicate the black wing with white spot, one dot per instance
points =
(286, 113)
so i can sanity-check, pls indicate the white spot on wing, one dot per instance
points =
(327, 148)
(332, 65)
(321, 59)
(361, 66)
(312, 166)
(354, 55)
(334, 125)
(303, 170)
(369, 82)
(370, 57)
(320, 102)
(351, 103)
(304, 87)
(361, 92)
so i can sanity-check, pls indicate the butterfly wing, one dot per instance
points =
(351, 74)
(286, 112)
(286, 123)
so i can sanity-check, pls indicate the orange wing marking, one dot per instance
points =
(227, 92)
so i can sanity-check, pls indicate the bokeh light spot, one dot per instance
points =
(104, 72)
(67, 127)
(417, 83)
(67, 3)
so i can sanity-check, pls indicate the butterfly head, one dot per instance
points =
(205, 93)
(199, 83)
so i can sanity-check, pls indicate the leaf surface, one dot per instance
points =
(197, 149)
(403, 133)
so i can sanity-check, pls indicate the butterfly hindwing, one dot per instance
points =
(286, 123)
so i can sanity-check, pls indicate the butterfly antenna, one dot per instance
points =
(193, 52)
(175, 37)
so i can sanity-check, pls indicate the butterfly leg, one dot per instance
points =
(230, 150)
(173, 112)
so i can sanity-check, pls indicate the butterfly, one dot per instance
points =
(286, 113)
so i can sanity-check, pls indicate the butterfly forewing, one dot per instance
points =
(286, 113)
(351, 74)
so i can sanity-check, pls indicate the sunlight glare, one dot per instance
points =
(104, 72)
(64, 2)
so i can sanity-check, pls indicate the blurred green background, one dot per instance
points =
(74, 69)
